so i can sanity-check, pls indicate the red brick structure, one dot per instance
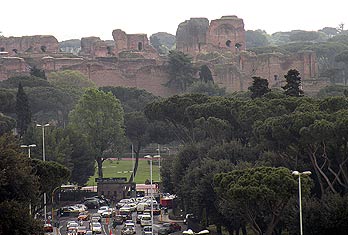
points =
(227, 33)
(29, 44)
(135, 43)
(95, 47)
(197, 35)
(129, 60)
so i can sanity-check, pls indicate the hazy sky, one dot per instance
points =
(71, 19)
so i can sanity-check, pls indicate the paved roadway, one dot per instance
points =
(107, 227)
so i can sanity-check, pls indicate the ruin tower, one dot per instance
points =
(127, 42)
(191, 35)
(197, 35)
(227, 33)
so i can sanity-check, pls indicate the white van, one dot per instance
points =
(145, 220)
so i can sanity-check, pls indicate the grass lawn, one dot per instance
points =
(122, 168)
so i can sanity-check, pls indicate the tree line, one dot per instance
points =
(236, 151)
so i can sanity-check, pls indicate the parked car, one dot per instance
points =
(81, 230)
(96, 217)
(82, 207)
(89, 232)
(145, 220)
(92, 203)
(168, 228)
(73, 226)
(147, 230)
(83, 216)
(138, 218)
(48, 228)
(118, 219)
(70, 222)
(127, 214)
(108, 213)
(102, 209)
(96, 227)
(128, 229)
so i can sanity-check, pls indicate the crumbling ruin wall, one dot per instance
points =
(237, 76)
(133, 43)
(12, 66)
(227, 33)
(191, 35)
(94, 47)
(29, 44)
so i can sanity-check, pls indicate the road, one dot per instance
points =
(107, 225)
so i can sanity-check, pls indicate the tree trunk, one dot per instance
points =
(135, 167)
(100, 167)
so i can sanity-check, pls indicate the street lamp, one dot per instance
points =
(299, 193)
(190, 232)
(159, 162)
(44, 159)
(151, 157)
(29, 147)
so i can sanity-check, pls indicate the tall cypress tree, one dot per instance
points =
(293, 83)
(259, 87)
(22, 111)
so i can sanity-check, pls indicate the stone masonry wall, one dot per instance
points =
(226, 33)
(29, 44)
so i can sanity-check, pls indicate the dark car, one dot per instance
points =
(169, 228)
(118, 219)
(91, 203)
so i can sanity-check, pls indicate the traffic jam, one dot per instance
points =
(127, 217)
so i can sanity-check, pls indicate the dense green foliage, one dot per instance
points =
(36, 72)
(293, 83)
(23, 182)
(257, 38)
(238, 134)
(180, 71)
(6, 124)
(259, 87)
(261, 193)
(100, 117)
(22, 111)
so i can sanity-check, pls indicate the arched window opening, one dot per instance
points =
(2, 48)
(43, 48)
(238, 45)
(228, 43)
(15, 51)
(140, 46)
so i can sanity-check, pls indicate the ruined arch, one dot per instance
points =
(140, 46)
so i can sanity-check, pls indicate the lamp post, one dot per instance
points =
(299, 193)
(151, 157)
(159, 162)
(44, 159)
(133, 162)
(29, 147)
(191, 232)
(52, 200)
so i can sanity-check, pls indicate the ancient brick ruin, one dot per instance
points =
(197, 35)
(129, 60)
